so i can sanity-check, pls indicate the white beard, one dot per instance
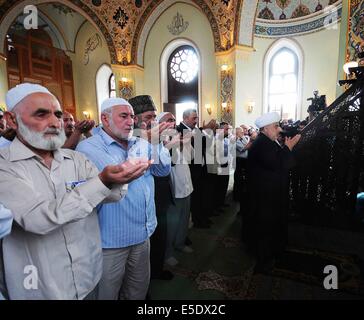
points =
(38, 140)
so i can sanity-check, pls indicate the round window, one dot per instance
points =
(184, 66)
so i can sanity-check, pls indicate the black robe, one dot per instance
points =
(201, 192)
(265, 226)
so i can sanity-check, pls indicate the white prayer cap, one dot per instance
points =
(160, 116)
(111, 102)
(21, 91)
(267, 119)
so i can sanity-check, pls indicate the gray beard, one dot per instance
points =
(117, 132)
(38, 140)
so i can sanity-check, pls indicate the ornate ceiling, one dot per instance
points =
(122, 21)
(125, 20)
(290, 9)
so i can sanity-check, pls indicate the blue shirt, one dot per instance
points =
(6, 220)
(132, 220)
(4, 142)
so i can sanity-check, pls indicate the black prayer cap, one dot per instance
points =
(142, 104)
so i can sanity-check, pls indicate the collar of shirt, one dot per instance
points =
(187, 127)
(19, 151)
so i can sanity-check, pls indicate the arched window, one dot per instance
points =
(105, 87)
(112, 86)
(283, 69)
(182, 75)
(283, 76)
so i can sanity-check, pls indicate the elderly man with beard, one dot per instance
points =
(127, 225)
(54, 249)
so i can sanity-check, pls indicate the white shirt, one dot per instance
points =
(181, 175)
(57, 229)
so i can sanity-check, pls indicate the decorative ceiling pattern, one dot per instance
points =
(122, 22)
(121, 18)
(290, 9)
(304, 18)
(125, 19)
(306, 26)
(355, 39)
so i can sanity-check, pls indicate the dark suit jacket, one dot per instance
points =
(199, 143)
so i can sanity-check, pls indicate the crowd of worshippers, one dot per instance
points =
(95, 212)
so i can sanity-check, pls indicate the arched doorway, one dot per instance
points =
(35, 56)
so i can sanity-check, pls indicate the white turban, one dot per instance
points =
(160, 116)
(111, 102)
(267, 119)
(21, 91)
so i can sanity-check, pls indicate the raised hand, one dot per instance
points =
(153, 134)
(84, 125)
(125, 172)
(211, 125)
(291, 142)
(174, 141)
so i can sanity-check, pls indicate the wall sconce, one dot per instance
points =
(226, 107)
(224, 67)
(86, 114)
(208, 108)
(250, 106)
(350, 64)
(125, 88)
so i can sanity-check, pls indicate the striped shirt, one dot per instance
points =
(132, 220)
(6, 220)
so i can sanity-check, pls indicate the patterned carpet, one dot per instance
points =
(220, 269)
(295, 276)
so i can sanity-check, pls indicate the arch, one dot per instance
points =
(167, 51)
(12, 8)
(272, 50)
(102, 84)
(245, 22)
(151, 15)
(57, 34)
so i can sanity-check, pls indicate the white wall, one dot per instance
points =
(84, 76)
(67, 24)
(320, 55)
